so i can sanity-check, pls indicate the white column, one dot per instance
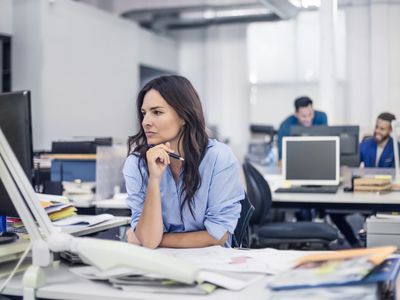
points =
(380, 45)
(327, 84)
(227, 86)
(358, 104)
(394, 58)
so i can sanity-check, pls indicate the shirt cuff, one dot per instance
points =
(134, 223)
(217, 231)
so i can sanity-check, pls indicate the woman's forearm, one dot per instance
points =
(195, 239)
(149, 229)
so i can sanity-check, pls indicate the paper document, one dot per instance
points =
(331, 268)
(83, 220)
(217, 258)
(230, 280)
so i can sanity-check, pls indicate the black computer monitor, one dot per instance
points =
(349, 140)
(15, 122)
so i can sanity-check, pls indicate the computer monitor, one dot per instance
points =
(349, 140)
(15, 122)
(311, 160)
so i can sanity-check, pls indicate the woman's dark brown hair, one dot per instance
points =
(179, 93)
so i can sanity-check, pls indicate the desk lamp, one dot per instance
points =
(102, 254)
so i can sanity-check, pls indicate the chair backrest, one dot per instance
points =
(258, 192)
(241, 236)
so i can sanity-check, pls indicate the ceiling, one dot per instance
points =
(164, 15)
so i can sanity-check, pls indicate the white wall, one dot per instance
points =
(192, 58)
(213, 59)
(6, 10)
(374, 63)
(83, 70)
(157, 51)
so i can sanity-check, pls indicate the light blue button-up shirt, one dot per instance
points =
(216, 202)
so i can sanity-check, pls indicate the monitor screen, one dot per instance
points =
(311, 160)
(15, 122)
(349, 140)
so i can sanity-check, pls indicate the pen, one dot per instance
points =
(176, 156)
(173, 155)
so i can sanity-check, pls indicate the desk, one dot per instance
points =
(341, 200)
(387, 201)
(62, 284)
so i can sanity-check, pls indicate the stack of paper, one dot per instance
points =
(128, 279)
(372, 184)
(55, 211)
(79, 192)
(227, 268)
(15, 225)
(361, 269)
(58, 210)
(83, 220)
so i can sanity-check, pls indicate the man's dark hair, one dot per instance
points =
(303, 101)
(386, 116)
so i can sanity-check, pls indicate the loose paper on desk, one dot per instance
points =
(83, 220)
(265, 261)
(125, 277)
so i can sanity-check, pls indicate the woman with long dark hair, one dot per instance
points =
(190, 198)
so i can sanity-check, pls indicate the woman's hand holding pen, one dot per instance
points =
(158, 159)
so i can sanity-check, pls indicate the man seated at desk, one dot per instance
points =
(304, 115)
(375, 152)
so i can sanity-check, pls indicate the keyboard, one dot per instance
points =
(309, 189)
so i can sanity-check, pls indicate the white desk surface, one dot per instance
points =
(340, 197)
(111, 203)
(62, 284)
(85, 230)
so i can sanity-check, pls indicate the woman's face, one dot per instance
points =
(161, 123)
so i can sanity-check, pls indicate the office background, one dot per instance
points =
(84, 63)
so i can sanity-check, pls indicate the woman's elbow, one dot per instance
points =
(150, 244)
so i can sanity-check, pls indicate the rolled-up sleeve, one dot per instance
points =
(135, 188)
(225, 193)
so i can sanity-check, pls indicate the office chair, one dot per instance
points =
(279, 234)
(241, 237)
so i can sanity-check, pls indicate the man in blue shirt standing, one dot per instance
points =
(377, 151)
(304, 115)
